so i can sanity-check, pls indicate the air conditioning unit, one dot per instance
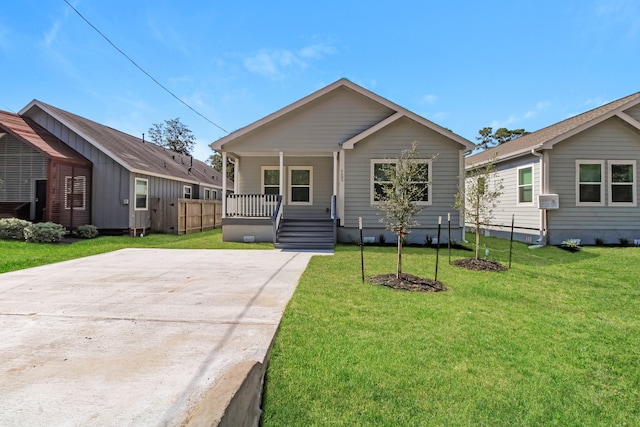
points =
(548, 201)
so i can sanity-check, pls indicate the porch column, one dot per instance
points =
(335, 173)
(236, 183)
(282, 174)
(224, 184)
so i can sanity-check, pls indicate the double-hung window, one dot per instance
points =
(270, 180)
(525, 185)
(622, 182)
(142, 194)
(186, 190)
(589, 182)
(300, 185)
(380, 180)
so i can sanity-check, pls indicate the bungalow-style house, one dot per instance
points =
(576, 179)
(306, 174)
(60, 167)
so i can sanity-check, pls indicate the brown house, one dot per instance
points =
(41, 178)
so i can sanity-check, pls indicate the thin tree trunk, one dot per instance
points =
(399, 255)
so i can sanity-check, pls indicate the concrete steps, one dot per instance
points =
(306, 233)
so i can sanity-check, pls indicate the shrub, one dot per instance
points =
(87, 231)
(599, 241)
(13, 228)
(623, 241)
(44, 232)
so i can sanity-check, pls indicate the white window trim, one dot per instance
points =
(290, 186)
(611, 183)
(135, 195)
(265, 168)
(187, 192)
(533, 187)
(602, 182)
(429, 201)
(68, 206)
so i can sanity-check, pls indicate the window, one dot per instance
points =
(622, 182)
(207, 194)
(525, 185)
(590, 188)
(379, 180)
(75, 192)
(301, 185)
(270, 180)
(142, 194)
(186, 190)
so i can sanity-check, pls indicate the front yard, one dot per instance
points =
(553, 341)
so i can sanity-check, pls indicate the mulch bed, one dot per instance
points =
(407, 282)
(479, 264)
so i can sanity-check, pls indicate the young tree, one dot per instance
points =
(479, 197)
(215, 160)
(174, 135)
(399, 184)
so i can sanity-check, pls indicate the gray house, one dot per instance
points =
(125, 173)
(306, 174)
(576, 179)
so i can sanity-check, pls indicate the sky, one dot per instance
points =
(461, 64)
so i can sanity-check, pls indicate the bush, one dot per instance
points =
(44, 232)
(13, 228)
(87, 231)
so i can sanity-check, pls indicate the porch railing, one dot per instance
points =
(252, 205)
(276, 218)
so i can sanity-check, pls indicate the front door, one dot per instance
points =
(41, 200)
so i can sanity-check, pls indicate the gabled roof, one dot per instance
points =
(34, 135)
(551, 135)
(133, 153)
(399, 112)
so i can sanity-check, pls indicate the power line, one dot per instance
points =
(141, 69)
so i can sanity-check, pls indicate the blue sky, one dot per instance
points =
(462, 64)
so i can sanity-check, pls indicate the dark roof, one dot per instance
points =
(135, 154)
(554, 133)
(39, 138)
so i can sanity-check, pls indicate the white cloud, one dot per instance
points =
(274, 63)
(518, 118)
(429, 99)
(51, 35)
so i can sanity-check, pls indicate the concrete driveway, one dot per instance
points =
(137, 336)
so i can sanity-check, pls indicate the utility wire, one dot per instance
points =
(141, 69)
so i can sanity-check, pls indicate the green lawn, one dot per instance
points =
(16, 255)
(553, 341)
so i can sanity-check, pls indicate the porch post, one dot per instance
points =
(282, 174)
(224, 184)
(236, 184)
(335, 173)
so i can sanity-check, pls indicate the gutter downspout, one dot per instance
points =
(543, 212)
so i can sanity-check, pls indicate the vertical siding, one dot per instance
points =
(110, 186)
(526, 216)
(318, 126)
(634, 112)
(389, 143)
(20, 166)
(612, 139)
(250, 181)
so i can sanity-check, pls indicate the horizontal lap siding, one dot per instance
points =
(525, 215)
(611, 140)
(389, 143)
(20, 166)
(316, 127)
(250, 180)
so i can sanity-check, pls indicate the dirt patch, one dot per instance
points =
(479, 264)
(407, 282)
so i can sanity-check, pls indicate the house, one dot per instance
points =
(315, 165)
(576, 179)
(71, 170)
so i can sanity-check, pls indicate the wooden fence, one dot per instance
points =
(185, 216)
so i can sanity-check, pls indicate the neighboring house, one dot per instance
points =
(576, 179)
(319, 159)
(116, 175)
